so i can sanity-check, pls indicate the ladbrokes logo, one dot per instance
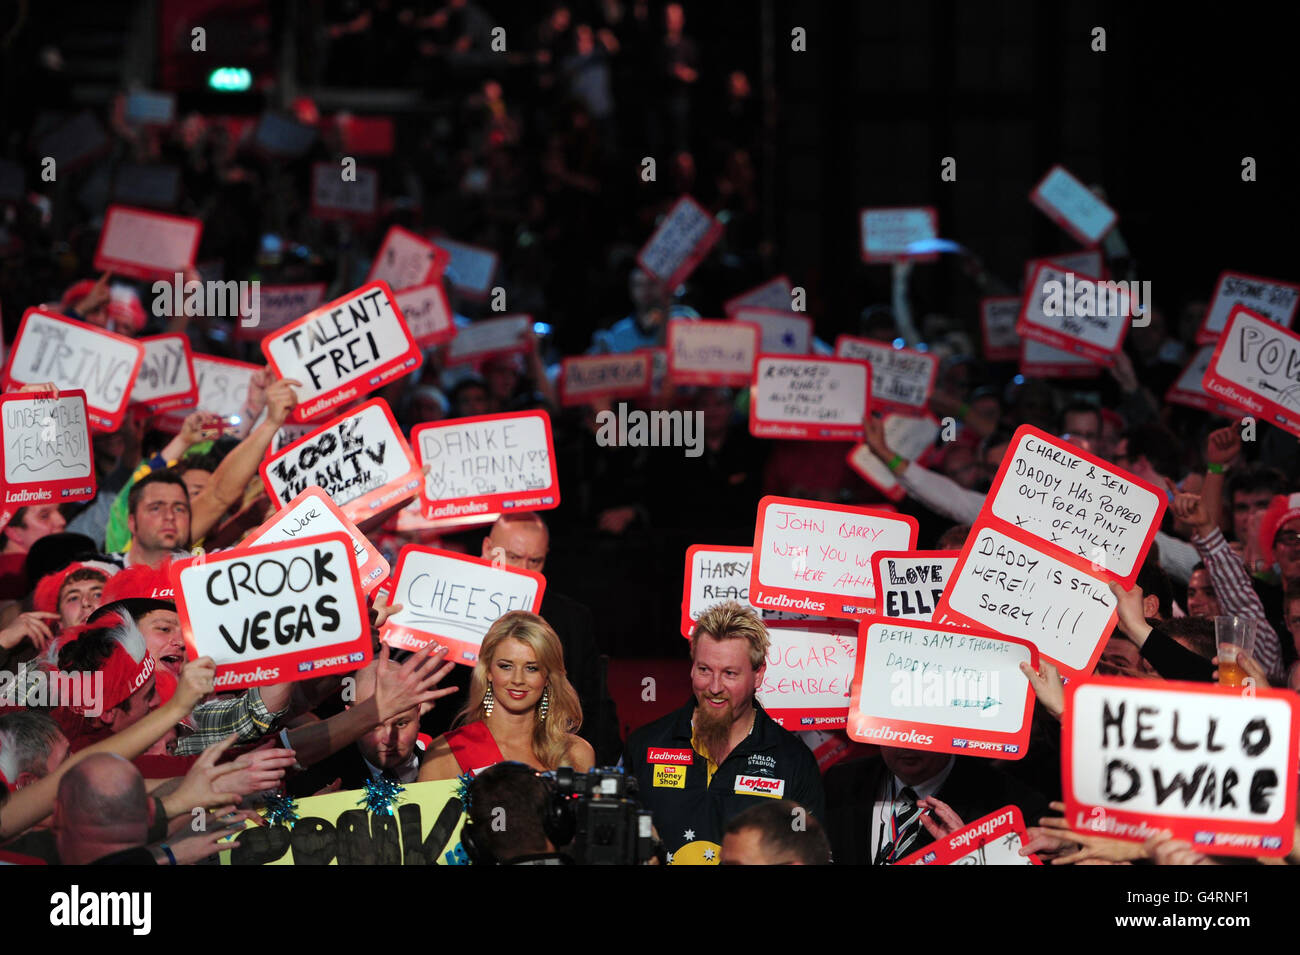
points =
(760, 786)
(890, 734)
(679, 756)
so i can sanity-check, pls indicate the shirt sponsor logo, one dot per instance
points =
(680, 757)
(670, 777)
(760, 786)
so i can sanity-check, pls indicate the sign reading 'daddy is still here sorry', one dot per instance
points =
(919, 686)
(70, 355)
(487, 464)
(1009, 586)
(346, 348)
(453, 599)
(45, 451)
(1213, 765)
(360, 460)
(816, 558)
(275, 613)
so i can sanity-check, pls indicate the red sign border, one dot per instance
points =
(359, 509)
(1205, 336)
(883, 404)
(100, 419)
(830, 603)
(133, 270)
(711, 379)
(800, 430)
(1018, 739)
(698, 252)
(370, 574)
(181, 399)
(1283, 418)
(58, 489)
(347, 389)
(457, 650)
(495, 503)
(1055, 215)
(1060, 340)
(1187, 827)
(874, 258)
(568, 399)
(287, 662)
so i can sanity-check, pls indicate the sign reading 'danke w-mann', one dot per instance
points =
(275, 613)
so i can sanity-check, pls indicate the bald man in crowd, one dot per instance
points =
(101, 815)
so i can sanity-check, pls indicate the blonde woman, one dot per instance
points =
(521, 706)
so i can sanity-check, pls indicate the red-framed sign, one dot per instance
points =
(712, 353)
(72, 355)
(1271, 299)
(995, 839)
(1076, 313)
(909, 583)
(45, 451)
(361, 460)
(680, 242)
(1073, 206)
(815, 558)
(494, 463)
(453, 599)
(1254, 368)
(166, 379)
(146, 245)
(902, 379)
(715, 573)
(943, 690)
(406, 260)
(887, 232)
(807, 398)
(343, 350)
(1005, 584)
(313, 513)
(275, 613)
(587, 378)
(1215, 766)
(808, 673)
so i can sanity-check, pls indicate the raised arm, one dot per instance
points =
(240, 465)
(30, 805)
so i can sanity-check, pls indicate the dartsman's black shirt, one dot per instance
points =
(673, 779)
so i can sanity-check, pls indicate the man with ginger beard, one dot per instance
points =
(720, 754)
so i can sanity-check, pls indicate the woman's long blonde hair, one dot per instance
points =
(564, 712)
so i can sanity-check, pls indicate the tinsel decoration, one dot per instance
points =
(462, 791)
(281, 810)
(380, 795)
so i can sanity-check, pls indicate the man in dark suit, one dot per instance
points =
(389, 750)
(523, 541)
(872, 812)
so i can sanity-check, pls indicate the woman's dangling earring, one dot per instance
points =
(489, 701)
(546, 705)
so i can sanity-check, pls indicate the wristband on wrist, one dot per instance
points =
(894, 462)
(1215, 468)
(167, 851)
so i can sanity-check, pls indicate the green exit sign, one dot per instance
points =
(230, 79)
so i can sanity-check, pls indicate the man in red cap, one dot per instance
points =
(116, 675)
(72, 593)
(1279, 535)
(145, 594)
